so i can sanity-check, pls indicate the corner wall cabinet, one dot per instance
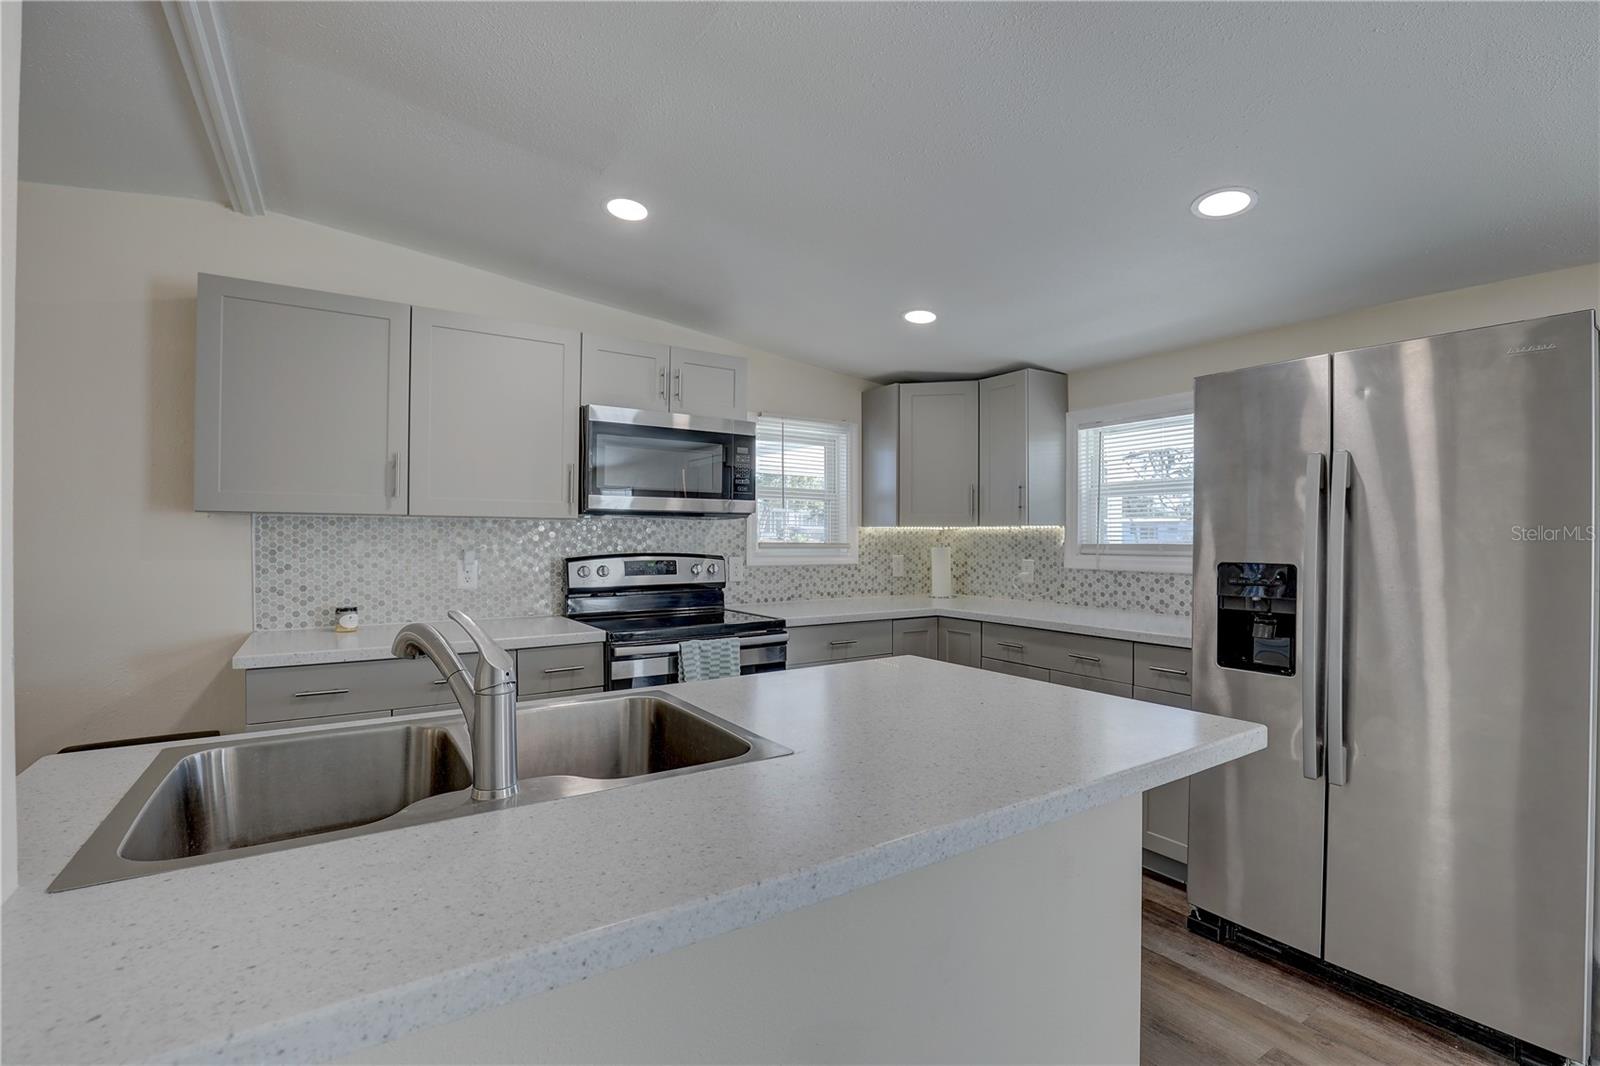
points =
(655, 377)
(965, 453)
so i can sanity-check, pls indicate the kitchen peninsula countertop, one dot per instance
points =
(307, 647)
(314, 952)
(1146, 627)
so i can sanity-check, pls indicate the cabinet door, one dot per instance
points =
(939, 454)
(1093, 684)
(960, 642)
(917, 636)
(494, 417)
(1003, 449)
(300, 400)
(705, 383)
(1036, 673)
(624, 373)
(1166, 809)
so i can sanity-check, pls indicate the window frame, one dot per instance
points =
(850, 554)
(1170, 558)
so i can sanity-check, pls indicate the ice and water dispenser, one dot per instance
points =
(1256, 617)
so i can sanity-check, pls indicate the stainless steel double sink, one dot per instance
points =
(216, 800)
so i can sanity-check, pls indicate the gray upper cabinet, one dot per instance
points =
(494, 417)
(939, 454)
(705, 383)
(623, 373)
(300, 400)
(880, 456)
(1021, 448)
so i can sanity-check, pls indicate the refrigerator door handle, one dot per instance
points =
(1338, 539)
(1311, 627)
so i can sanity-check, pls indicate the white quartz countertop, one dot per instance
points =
(306, 647)
(313, 952)
(1172, 630)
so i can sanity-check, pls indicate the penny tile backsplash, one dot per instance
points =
(402, 569)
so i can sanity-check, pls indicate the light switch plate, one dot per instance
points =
(1026, 574)
(897, 565)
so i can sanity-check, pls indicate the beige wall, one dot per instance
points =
(131, 603)
(1484, 305)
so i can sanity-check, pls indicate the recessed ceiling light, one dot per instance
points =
(1224, 203)
(920, 318)
(627, 210)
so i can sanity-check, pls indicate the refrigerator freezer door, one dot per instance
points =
(1458, 850)
(1255, 825)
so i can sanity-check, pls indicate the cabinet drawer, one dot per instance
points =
(917, 636)
(1093, 684)
(571, 666)
(287, 693)
(1070, 653)
(327, 719)
(1162, 668)
(840, 642)
(1038, 673)
(1155, 695)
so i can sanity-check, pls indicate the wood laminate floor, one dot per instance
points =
(1204, 1003)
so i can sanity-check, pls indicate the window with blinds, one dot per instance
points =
(803, 486)
(1136, 485)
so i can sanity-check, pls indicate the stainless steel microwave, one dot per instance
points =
(655, 462)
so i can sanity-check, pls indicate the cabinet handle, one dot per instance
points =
(1083, 658)
(1167, 670)
(839, 643)
(663, 385)
(677, 384)
(1019, 499)
(562, 669)
(392, 475)
(911, 632)
(972, 502)
(1007, 644)
(323, 692)
(570, 470)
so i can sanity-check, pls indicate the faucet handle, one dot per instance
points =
(496, 666)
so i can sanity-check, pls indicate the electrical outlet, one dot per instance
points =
(735, 569)
(1026, 573)
(897, 565)
(467, 570)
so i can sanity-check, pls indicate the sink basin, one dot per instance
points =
(214, 800)
(620, 736)
(247, 794)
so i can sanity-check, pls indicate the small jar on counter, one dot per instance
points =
(348, 620)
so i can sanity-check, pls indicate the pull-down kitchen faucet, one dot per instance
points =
(488, 701)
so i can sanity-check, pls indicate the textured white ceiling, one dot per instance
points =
(812, 170)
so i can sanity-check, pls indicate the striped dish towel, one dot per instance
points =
(701, 660)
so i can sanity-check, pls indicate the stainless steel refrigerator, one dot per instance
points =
(1395, 572)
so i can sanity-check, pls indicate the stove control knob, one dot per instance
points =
(711, 569)
(695, 570)
(583, 571)
(603, 571)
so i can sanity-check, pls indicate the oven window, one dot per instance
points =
(636, 461)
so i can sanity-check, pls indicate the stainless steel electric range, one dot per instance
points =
(647, 604)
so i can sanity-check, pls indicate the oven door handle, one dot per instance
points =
(639, 651)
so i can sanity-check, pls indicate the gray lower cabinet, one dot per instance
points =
(1037, 673)
(840, 642)
(1096, 658)
(301, 400)
(339, 692)
(961, 642)
(1092, 684)
(494, 417)
(1166, 809)
(917, 636)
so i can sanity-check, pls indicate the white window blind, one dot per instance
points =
(1136, 485)
(802, 484)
